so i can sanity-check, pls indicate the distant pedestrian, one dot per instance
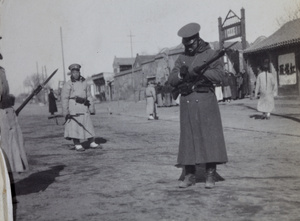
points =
(167, 89)
(245, 85)
(233, 85)
(239, 85)
(76, 99)
(201, 133)
(266, 87)
(226, 88)
(151, 101)
(159, 94)
(52, 102)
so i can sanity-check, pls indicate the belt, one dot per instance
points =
(7, 101)
(202, 89)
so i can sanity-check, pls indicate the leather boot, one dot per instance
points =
(210, 175)
(189, 178)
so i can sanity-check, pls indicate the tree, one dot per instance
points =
(291, 14)
(32, 82)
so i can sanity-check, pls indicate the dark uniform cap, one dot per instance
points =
(189, 32)
(74, 66)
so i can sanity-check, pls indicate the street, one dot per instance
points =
(134, 176)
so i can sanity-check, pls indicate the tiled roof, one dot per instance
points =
(144, 58)
(236, 47)
(288, 34)
(123, 61)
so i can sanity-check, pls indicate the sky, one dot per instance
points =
(95, 31)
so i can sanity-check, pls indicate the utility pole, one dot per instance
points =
(37, 67)
(131, 41)
(62, 50)
(132, 78)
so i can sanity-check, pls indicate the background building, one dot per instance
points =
(282, 49)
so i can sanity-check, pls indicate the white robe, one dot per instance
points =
(266, 86)
(150, 100)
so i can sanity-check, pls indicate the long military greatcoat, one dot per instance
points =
(201, 132)
(12, 142)
(81, 126)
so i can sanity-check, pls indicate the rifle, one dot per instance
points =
(188, 85)
(35, 92)
(56, 116)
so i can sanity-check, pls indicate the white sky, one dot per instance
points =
(94, 31)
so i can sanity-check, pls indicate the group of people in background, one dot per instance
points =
(164, 95)
(235, 86)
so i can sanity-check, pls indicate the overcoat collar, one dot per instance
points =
(79, 79)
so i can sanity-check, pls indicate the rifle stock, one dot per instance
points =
(35, 92)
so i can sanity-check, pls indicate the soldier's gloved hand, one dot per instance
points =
(199, 71)
(67, 117)
(184, 71)
(87, 103)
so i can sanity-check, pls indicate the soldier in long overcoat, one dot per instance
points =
(11, 136)
(201, 132)
(76, 99)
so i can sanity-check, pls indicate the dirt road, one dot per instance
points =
(134, 177)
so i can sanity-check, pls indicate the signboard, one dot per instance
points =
(232, 27)
(287, 69)
(232, 32)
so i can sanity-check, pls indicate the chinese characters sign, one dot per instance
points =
(287, 69)
(232, 32)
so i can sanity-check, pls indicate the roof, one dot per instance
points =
(258, 40)
(143, 58)
(288, 34)
(238, 46)
(123, 61)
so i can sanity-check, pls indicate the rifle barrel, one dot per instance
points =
(35, 92)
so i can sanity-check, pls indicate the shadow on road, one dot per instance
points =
(200, 174)
(98, 140)
(37, 182)
(287, 116)
(256, 116)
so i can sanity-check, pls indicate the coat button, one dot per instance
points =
(188, 101)
(197, 101)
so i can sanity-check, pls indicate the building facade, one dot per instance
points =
(282, 49)
(102, 87)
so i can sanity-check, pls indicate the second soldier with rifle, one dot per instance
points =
(76, 99)
(201, 131)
